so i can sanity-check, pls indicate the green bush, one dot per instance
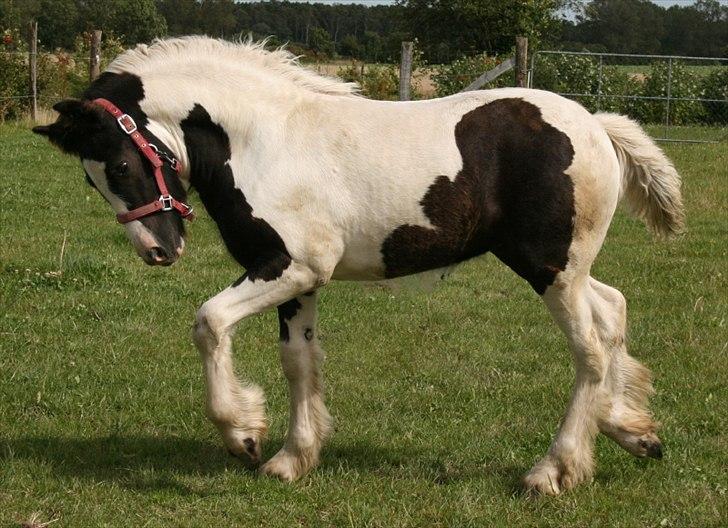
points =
(578, 74)
(685, 83)
(13, 85)
(59, 74)
(452, 78)
(376, 81)
(715, 86)
(13, 76)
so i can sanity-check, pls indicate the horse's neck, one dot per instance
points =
(244, 114)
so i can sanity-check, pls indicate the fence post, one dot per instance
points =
(33, 68)
(95, 59)
(521, 61)
(405, 71)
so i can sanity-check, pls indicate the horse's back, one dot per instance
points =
(518, 166)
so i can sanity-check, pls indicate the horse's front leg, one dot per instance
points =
(238, 409)
(301, 358)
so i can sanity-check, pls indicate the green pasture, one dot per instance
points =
(442, 400)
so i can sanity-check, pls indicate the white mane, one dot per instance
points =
(247, 53)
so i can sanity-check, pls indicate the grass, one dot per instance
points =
(441, 401)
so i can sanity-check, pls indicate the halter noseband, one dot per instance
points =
(165, 202)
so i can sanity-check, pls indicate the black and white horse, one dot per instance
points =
(309, 182)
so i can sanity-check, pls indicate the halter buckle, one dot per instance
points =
(173, 162)
(166, 200)
(127, 123)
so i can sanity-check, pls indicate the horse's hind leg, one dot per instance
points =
(569, 461)
(627, 420)
(301, 358)
(611, 389)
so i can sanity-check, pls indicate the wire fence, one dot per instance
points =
(32, 79)
(58, 76)
(683, 99)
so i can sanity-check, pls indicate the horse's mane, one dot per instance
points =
(247, 53)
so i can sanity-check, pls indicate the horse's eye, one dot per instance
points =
(121, 168)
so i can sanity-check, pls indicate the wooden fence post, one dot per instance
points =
(94, 68)
(405, 71)
(521, 61)
(33, 68)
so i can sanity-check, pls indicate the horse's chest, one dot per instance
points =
(251, 241)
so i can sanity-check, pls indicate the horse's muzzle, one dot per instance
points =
(158, 256)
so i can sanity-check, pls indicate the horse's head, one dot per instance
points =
(121, 166)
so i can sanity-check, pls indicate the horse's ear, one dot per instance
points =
(69, 107)
(76, 122)
(78, 110)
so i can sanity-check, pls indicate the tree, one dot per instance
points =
(218, 17)
(320, 41)
(182, 16)
(350, 47)
(624, 26)
(58, 23)
(10, 15)
(138, 21)
(476, 26)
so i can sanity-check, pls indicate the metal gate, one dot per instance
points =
(682, 99)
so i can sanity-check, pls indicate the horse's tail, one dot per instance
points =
(650, 182)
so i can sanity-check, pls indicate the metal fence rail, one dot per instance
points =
(679, 98)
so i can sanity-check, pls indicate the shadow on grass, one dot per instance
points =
(141, 462)
(429, 465)
(162, 463)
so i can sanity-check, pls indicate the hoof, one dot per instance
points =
(249, 453)
(542, 481)
(553, 476)
(652, 449)
(639, 444)
(284, 466)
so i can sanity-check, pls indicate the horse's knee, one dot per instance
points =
(209, 327)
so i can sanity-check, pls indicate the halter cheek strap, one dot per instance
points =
(165, 202)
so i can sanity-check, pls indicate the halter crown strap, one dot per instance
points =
(165, 202)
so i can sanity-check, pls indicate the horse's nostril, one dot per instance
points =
(157, 254)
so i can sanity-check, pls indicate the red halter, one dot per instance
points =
(165, 202)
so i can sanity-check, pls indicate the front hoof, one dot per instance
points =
(553, 476)
(651, 447)
(284, 466)
(248, 451)
(543, 479)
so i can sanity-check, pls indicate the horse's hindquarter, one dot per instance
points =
(433, 183)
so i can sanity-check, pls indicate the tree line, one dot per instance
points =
(444, 29)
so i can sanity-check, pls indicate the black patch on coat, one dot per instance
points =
(511, 197)
(250, 240)
(286, 312)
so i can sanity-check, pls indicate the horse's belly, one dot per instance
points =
(360, 261)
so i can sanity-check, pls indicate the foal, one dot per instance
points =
(309, 182)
